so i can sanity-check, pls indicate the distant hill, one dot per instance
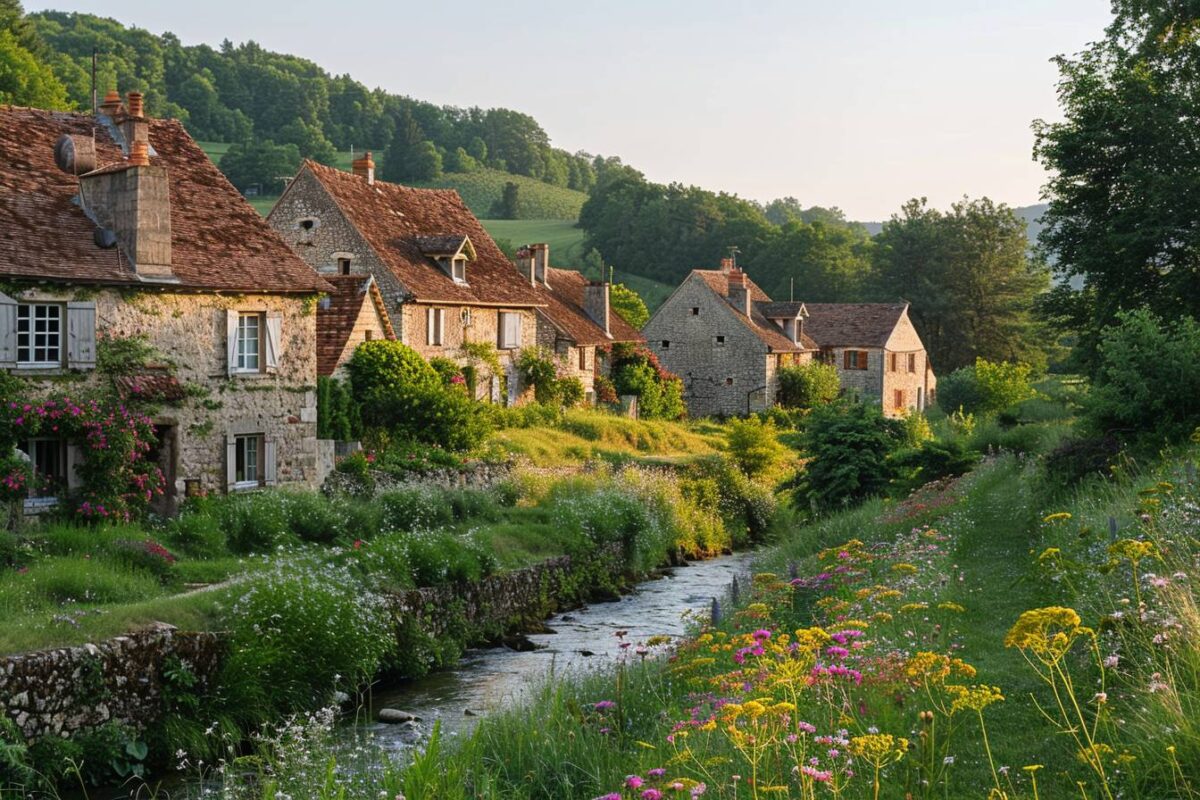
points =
(535, 200)
(1031, 215)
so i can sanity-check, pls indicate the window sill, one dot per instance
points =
(38, 505)
(246, 486)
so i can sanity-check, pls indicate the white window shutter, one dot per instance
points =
(81, 335)
(74, 459)
(231, 331)
(230, 462)
(269, 469)
(274, 339)
(441, 326)
(429, 326)
(8, 331)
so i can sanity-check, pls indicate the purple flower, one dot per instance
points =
(604, 705)
(652, 794)
(633, 782)
(656, 773)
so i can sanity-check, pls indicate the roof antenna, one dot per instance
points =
(792, 290)
(95, 103)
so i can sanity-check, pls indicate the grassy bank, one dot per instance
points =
(918, 652)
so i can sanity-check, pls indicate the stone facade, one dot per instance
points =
(317, 230)
(191, 332)
(726, 367)
(898, 375)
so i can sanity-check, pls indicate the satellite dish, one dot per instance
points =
(75, 155)
(105, 239)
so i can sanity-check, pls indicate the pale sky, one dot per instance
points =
(861, 105)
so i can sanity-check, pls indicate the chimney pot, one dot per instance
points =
(112, 103)
(135, 105)
(139, 154)
(364, 167)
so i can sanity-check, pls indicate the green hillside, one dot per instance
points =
(564, 238)
(536, 200)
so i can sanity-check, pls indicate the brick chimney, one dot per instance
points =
(739, 290)
(525, 264)
(364, 167)
(541, 262)
(132, 199)
(595, 303)
(726, 266)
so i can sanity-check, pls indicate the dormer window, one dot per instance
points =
(450, 252)
(343, 266)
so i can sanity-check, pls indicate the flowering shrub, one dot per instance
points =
(117, 481)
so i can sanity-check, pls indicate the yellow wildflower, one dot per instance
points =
(1046, 632)
(975, 698)
(904, 568)
(909, 607)
(951, 607)
(878, 748)
(1049, 554)
(1132, 549)
(1055, 517)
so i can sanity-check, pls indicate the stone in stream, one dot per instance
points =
(469, 713)
(586, 653)
(394, 716)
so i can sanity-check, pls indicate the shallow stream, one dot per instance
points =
(584, 639)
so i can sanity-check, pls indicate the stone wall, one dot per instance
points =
(476, 475)
(72, 690)
(69, 691)
(190, 330)
(718, 377)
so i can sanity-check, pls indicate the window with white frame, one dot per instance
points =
(458, 269)
(508, 330)
(249, 342)
(435, 326)
(39, 335)
(248, 461)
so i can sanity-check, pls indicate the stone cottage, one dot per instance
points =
(726, 339)
(116, 226)
(353, 313)
(444, 282)
(577, 322)
(877, 352)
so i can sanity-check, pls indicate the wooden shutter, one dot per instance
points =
(899, 398)
(74, 459)
(862, 359)
(440, 319)
(81, 335)
(8, 331)
(230, 462)
(269, 471)
(846, 357)
(514, 339)
(429, 329)
(231, 330)
(273, 340)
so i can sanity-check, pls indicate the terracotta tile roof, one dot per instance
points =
(853, 324)
(566, 311)
(218, 241)
(337, 313)
(768, 332)
(395, 220)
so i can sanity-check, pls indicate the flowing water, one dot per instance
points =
(584, 639)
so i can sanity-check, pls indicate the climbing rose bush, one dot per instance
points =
(117, 480)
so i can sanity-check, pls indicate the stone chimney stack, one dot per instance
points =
(365, 167)
(130, 201)
(541, 262)
(726, 266)
(739, 290)
(525, 265)
(595, 303)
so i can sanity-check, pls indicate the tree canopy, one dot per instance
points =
(1124, 190)
(26, 78)
(969, 277)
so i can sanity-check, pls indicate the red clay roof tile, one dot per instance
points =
(218, 241)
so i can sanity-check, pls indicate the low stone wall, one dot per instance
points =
(70, 690)
(73, 690)
(476, 475)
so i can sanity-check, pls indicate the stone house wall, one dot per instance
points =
(368, 326)
(190, 331)
(879, 382)
(717, 377)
